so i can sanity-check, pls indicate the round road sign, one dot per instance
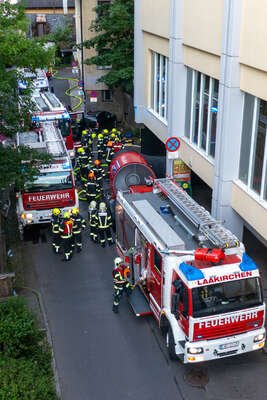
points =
(172, 144)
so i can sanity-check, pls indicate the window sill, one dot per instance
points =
(161, 119)
(256, 197)
(201, 152)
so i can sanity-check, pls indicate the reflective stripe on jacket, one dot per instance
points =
(104, 219)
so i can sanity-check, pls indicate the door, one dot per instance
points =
(140, 257)
(154, 280)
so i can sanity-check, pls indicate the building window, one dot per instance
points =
(201, 111)
(253, 155)
(159, 103)
(106, 96)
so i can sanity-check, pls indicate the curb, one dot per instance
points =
(48, 335)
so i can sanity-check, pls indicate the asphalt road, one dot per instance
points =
(103, 356)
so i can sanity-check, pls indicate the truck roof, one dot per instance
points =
(47, 140)
(175, 220)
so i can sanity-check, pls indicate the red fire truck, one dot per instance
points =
(190, 273)
(47, 107)
(54, 186)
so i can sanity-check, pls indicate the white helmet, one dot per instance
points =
(102, 206)
(92, 205)
(117, 261)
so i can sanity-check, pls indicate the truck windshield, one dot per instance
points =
(226, 297)
(46, 182)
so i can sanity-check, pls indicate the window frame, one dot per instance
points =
(262, 194)
(196, 115)
(159, 86)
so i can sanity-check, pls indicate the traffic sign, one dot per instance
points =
(172, 144)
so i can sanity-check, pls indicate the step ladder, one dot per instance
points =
(213, 230)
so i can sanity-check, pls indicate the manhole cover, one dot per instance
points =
(197, 377)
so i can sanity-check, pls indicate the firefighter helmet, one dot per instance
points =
(75, 211)
(81, 150)
(91, 175)
(105, 131)
(102, 206)
(100, 136)
(93, 135)
(109, 143)
(117, 261)
(56, 211)
(113, 135)
(66, 215)
(84, 132)
(97, 162)
(92, 205)
(114, 130)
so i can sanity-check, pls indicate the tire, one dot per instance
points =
(170, 345)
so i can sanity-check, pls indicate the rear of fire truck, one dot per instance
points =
(53, 186)
(194, 275)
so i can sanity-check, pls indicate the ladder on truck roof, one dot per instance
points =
(54, 142)
(213, 230)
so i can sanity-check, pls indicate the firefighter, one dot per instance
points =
(78, 225)
(55, 223)
(84, 140)
(100, 146)
(105, 133)
(65, 230)
(92, 220)
(104, 223)
(112, 133)
(120, 278)
(99, 172)
(81, 163)
(117, 145)
(110, 152)
(91, 187)
(82, 156)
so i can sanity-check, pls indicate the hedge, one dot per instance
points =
(25, 357)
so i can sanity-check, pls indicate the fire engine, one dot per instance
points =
(190, 272)
(54, 186)
(47, 107)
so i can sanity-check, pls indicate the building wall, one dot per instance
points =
(150, 21)
(221, 40)
(253, 55)
(203, 25)
(92, 73)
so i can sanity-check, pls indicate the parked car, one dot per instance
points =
(100, 120)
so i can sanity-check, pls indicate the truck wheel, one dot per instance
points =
(170, 345)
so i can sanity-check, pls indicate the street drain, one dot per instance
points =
(197, 377)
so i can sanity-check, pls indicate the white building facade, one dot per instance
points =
(201, 75)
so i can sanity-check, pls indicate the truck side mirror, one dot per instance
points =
(175, 302)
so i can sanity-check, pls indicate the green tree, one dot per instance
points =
(16, 51)
(114, 43)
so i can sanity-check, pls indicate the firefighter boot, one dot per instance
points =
(115, 309)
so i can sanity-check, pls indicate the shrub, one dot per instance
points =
(19, 333)
(21, 379)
